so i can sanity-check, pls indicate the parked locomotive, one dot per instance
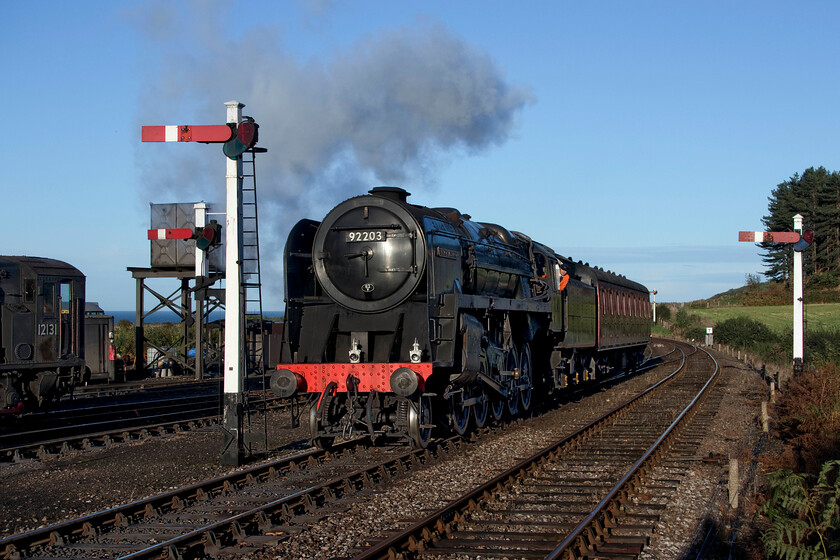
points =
(42, 303)
(405, 318)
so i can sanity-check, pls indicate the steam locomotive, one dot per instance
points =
(42, 305)
(401, 319)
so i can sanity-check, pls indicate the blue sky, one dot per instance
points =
(637, 136)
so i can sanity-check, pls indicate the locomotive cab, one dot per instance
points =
(42, 334)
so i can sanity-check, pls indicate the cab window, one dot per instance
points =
(66, 293)
(48, 298)
(29, 290)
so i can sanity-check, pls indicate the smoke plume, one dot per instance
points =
(389, 109)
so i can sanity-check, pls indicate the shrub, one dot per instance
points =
(163, 335)
(824, 281)
(684, 320)
(124, 337)
(695, 333)
(743, 332)
(809, 416)
(803, 514)
(822, 346)
(663, 312)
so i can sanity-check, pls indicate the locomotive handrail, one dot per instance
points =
(366, 226)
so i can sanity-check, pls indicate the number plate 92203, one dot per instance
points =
(366, 235)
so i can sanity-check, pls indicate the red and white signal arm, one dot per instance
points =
(170, 233)
(768, 236)
(211, 133)
(800, 241)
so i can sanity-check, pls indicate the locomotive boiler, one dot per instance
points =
(401, 319)
(42, 304)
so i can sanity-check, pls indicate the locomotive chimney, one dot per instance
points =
(392, 193)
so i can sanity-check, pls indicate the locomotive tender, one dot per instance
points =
(404, 318)
(42, 304)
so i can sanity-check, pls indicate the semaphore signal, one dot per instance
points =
(239, 135)
(801, 239)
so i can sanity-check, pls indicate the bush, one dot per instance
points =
(124, 337)
(743, 332)
(824, 281)
(803, 514)
(695, 333)
(755, 337)
(684, 320)
(663, 312)
(822, 347)
(163, 335)
(809, 416)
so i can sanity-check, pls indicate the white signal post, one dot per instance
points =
(233, 451)
(200, 221)
(654, 292)
(798, 304)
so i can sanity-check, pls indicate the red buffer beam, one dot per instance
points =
(769, 236)
(211, 133)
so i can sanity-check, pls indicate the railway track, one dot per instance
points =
(258, 506)
(245, 511)
(597, 493)
(101, 426)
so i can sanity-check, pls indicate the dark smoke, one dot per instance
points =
(388, 110)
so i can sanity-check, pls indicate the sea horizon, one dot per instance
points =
(169, 316)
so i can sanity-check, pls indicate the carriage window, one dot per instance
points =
(29, 290)
(66, 293)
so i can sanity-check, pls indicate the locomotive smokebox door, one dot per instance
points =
(369, 252)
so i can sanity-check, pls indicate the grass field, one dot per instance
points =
(819, 316)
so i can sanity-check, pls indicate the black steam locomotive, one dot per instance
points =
(404, 318)
(42, 302)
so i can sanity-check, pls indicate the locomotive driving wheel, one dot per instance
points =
(478, 392)
(481, 409)
(511, 381)
(497, 407)
(420, 421)
(526, 378)
(459, 413)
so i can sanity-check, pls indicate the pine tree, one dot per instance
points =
(816, 196)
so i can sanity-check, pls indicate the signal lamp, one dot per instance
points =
(246, 135)
(211, 234)
(805, 240)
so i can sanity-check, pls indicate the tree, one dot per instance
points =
(816, 195)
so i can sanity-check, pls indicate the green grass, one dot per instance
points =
(819, 316)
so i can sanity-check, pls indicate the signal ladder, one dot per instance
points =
(250, 257)
(252, 287)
